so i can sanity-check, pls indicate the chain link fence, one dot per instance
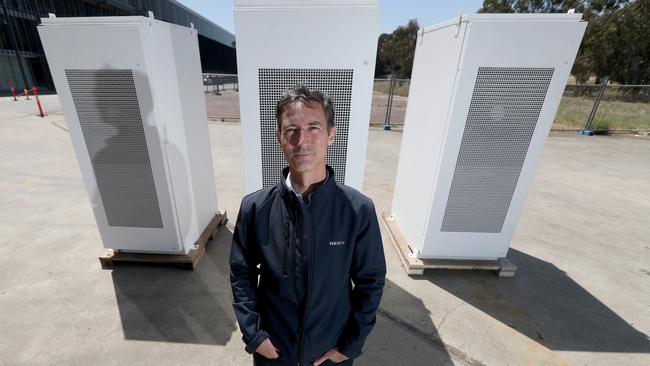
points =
(602, 108)
(222, 97)
(216, 83)
(389, 99)
(605, 108)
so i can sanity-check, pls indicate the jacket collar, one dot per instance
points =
(326, 186)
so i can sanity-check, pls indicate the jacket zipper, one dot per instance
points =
(312, 245)
(292, 253)
(287, 243)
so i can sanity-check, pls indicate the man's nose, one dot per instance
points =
(299, 138)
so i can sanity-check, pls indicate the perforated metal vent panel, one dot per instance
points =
(107, 106)
(502, 116)
(272, 84)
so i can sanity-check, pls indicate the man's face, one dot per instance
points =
(304, 138)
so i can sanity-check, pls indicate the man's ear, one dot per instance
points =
(277, 135)
(331, 135)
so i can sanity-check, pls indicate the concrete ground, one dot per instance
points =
(581, 295)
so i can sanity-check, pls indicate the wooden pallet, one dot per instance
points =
(414, 266)
(185, 261)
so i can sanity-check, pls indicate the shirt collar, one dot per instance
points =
(288, 183)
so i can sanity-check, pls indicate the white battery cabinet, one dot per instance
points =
(484, 92)
(322, 44)
(131, 92)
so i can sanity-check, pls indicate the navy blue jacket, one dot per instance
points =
(347, 271)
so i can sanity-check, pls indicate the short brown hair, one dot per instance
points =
(302, 94)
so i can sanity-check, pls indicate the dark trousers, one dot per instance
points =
(259, 360)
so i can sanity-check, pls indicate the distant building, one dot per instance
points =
(28, 67)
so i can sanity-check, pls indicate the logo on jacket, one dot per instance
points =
(336, 243)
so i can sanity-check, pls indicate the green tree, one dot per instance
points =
(588, 7)
(616, 42)
(619, 44)
(395, 51)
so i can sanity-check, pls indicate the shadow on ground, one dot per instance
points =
(543, 303)
(395, 342)
(169, 304)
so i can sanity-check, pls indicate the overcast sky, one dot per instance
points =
(393, 12)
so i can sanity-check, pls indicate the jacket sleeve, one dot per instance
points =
(243, 278)
(368, 273)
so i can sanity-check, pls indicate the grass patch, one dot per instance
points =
(612, 115)
(401, 87)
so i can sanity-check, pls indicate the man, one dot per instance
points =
(315, 245)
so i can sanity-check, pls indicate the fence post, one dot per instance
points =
(38, 102)
(587, 130)
(13, 90)
(389, 105)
